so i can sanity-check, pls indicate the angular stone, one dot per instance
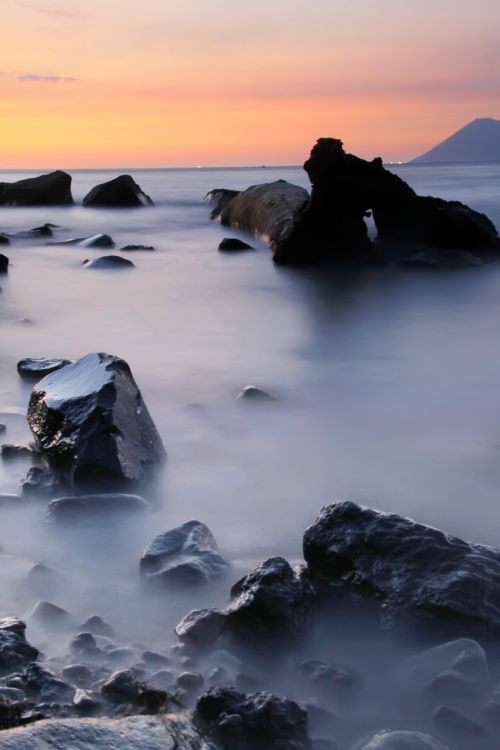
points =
(253, 394)
(462, 657)
(89, 419)
(121, 687)
(233, 244)
(95, 240)
(201, 627)
(413, 570)
(186, 554)
(42, 483)
(52, 189)
(121, 192)
(49, 616)
(37, 368)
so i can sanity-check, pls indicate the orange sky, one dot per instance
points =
(212, 82)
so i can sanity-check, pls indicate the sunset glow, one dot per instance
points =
(182, 83)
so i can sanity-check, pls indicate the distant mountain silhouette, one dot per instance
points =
(477, 141)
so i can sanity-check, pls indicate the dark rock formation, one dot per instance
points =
(52, 189)
(89, 419)
(4, 263)
(121, 687)
(9, 451)
(96, 240)
(37, 368)
(413, 571)
(32, 234)
(43, 685)
(15, 651)
(82, 506)
(122, 192)
(109, 262)
(219, 198)
(274, 601)
(200, 627)
(42, 483)
(186, 554)
(329, 224)
(98, 626)
(233, 244)
(253, 722)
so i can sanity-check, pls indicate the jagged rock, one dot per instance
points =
(42, 684)
(253, 394)
(186, 554)
(200, 627)
(109, 262)
(131, 248)
(403, 741)
(76, 507)
(260, 720)
(89, 420)
(414, 571)
(9, 451)
(454, 668)
(121, 687)
(52, 189)
(10, 713)
(50, 616)
(96, 240)
(98, 626)
(42, 483)
(121, 192)
(37, 368)
(4, 263)
(450, 721)
(233, 244)
(273, 601)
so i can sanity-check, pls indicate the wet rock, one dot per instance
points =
(43, 685)
(201, 627)
(15, 651)
(403, 741)
(48, 616)
(85, 702)
(121, 687)
(3, 428)
(109, 262)
(164, 678)
(454, 669)
(253, 721)
(155, 660)
(89, 419)
(253, 394)
(52, 189)
(273, 601)
(232, 244)
(415, 571)
(450, 721)
(219, 198)
(187, 554)
(95, 240)
(43, 483)
(10, 713)
(121, 655)
(98, 626)
(121, 192)
(37, 368)
(327, 678)
(131, 248)
(78, 674)
(190, 681)
(82, 643)
(9, 451)
(4, 263)
(69, 508)
(13, 625)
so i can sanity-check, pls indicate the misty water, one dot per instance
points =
(387, 384)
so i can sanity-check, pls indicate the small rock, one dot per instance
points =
(4, 240)
(154, 659)
(190, 681)
(37, 368)
(73, 508)
(85, 703)
(98, 626)
(137, 247)
(9, 452)
(120, 192)
(229, 244)
(201, 627)
(82, 643)
(121, 687)
(164, 679)
(79, 674)
(109, 261)
(449, 720)
(42, 483)
(252, 393)
(96, 240)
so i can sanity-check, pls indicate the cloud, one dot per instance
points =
(34, 77)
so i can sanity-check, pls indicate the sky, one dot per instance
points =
(159, 83)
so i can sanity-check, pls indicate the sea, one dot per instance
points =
(387, 384)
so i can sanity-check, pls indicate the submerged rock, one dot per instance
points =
(233, 244)
(52, 189)
(255, 721)
(109, 261)
(9, 451)
(451, 667)
(186, 554)
(49, 616)
(37, 368)
(89, 419)
(131, 248)
(401, 740)
(413, 570)
(11, 501)
(96, 240)
(121, 687)
(42, 483)
(121, 192)
(4, 263)
(253, 394)
(74, 507)
(274, 601)
(46, 230)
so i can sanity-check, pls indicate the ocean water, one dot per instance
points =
(388, 384)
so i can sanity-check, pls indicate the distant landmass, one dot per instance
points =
(477, 141)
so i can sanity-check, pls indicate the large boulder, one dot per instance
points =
(90, 420)
(253, 722)
(411, 570)
(274, 601)
(122, 192)
(52, 189)
(15, 651)
(186, 554)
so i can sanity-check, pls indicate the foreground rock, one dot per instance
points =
(109, 262)
(84, 506)
(37, 368)
(96, 240)
(90, 422)
(186, 554)
(330, 223)
(122, 192)
(250, 722)
(274, 601)
(52, 189)
(413, 571)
